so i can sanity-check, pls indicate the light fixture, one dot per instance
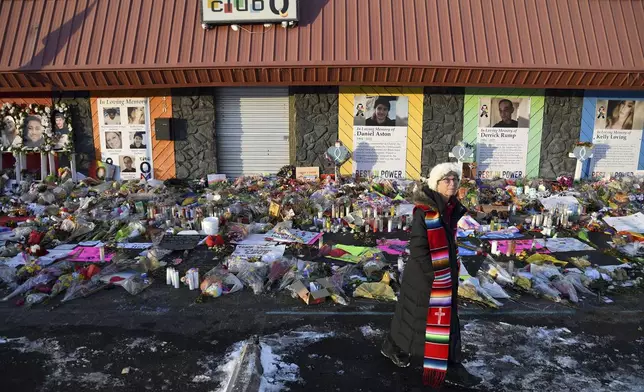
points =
(234, 27)
(285, 24)
(267, 25)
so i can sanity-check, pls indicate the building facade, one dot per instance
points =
(246, 98)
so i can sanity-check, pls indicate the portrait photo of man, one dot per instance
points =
(506, 111)
(33, 132)
(61, 131)
(112, 116)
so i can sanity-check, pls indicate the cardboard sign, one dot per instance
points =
(307, 173)
(212, 178)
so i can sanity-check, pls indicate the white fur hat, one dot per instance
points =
(441, 170)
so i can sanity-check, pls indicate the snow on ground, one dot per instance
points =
(65, 365)
(277, 371)
(518, 358)
(369, 332)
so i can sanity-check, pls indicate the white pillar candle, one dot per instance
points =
(347, 210)
(43, 166)
(101, 252)
(390, 225)
(333, 211)
(168, 276)
(52, 163)
(495, 246)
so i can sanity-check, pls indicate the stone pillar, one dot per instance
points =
(195, 145)
(561, 126)
(80, 110)
(316, 125)
(442, 125)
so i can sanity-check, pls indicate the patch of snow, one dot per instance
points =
(201, 378)
(535, 359)
(369, 332)
(277, 371)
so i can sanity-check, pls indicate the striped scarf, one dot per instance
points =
(439, 315)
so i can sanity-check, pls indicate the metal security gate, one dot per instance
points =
(252, 128)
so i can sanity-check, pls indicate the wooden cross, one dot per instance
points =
(440, 314)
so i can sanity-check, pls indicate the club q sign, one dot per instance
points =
(249, 11)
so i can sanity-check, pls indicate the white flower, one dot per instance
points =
(47, 110)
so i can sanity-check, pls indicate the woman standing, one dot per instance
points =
(426, 322)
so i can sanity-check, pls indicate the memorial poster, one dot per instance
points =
(124, 126)
(380, 136)
(502, 137)
(617, 137)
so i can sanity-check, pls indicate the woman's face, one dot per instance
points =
(626, 109)
(60, 123)
(113, 140)
(128, 163)
(34, 130)
(381, 113)
(9, 127)
(138, 140)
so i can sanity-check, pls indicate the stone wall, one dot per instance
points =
(82, 128)
(195, 146)
(316, 125)
(442, 125)
(561, 125)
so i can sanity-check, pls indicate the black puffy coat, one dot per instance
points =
(408, 324)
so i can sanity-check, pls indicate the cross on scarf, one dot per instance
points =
(440, 315)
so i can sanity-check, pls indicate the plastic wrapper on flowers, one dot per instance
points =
(220, 281)
(30, 284)
(82, 289)
(254, 275)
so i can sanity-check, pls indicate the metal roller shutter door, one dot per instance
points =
(252, 128)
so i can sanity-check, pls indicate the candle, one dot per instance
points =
(494, 249)
(101, 251)
(320, 243)
(392, 211)
(347, 210)
(390, 225)
(168, 276)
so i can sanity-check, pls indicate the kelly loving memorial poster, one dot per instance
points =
(502, 136)
(124, 125)
(380, 136)
(617, 137)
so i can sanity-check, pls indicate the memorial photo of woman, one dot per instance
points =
(136, 115)
(33, 132)
(10, 137)
(113, 140)
(620, 114)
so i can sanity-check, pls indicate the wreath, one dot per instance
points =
(10, 138)
(59, 142)
(16, 117)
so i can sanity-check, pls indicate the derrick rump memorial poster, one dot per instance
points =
(380, 136)
(502, 137)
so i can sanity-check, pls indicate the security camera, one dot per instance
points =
(206, 26)
(234, 27)
(285, 24)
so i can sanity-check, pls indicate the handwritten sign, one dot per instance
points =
(269, 252)
(307, 173)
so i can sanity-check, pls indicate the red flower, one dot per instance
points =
(35, 238)
(214, 240)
